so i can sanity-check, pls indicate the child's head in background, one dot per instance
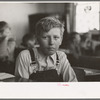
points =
(49, 34)
(28, 40)
(5, 30)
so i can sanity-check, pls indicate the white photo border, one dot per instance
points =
(65, 90)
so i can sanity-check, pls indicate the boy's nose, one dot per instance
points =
(51, 41)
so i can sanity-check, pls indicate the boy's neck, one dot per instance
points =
(42, 53)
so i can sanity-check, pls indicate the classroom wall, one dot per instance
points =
(16, 14)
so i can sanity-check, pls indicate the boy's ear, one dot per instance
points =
(61, 40)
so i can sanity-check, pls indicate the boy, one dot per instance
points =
(50, 64)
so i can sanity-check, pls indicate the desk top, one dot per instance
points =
(6, 77)
(88, 71)
(16, 79)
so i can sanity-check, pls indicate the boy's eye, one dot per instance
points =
(56, 37)
(44, 37)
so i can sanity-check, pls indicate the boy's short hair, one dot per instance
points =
(47, 23)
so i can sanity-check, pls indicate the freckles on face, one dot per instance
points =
(50, 41)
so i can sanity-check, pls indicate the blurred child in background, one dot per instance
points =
(7, 47)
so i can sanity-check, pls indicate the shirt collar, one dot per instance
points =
(41, 56)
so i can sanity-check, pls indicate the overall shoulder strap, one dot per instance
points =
(57, 59)
(32, 55)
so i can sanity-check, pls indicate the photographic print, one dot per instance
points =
(49, 49)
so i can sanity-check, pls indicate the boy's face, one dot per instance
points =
(50, 41)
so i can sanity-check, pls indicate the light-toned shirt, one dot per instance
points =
(24, 67)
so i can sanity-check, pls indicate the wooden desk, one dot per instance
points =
(17, 79)
(87, 74)
(6, 77)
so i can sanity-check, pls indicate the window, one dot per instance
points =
(87, 17)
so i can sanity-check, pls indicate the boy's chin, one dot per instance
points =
(50, 53)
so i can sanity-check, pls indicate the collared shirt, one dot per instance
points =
(24, 68)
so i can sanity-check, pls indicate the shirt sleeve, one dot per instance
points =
(66, 69)
(22, 63)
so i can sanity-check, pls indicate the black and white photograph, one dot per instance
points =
(50, 43)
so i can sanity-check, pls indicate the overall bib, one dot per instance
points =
(50, 75)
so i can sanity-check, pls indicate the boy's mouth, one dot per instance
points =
(51, 48)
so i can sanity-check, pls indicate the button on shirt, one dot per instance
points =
(24, 68)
